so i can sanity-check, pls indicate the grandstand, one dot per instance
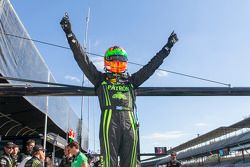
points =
(224, 147)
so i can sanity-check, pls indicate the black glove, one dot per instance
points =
(65, 23)
(172, 39)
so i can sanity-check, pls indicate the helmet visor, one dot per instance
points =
(117, 58)
(116, 66)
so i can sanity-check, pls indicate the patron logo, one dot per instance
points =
(121, 88)
(119, 95)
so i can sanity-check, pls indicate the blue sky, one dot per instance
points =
(213, 43)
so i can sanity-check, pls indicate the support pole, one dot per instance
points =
(46, 118)
(53, 153)
(243, 155)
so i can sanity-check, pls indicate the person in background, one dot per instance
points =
(173, 161)
(28, 151)
(14, 155)
(48, 161)
(67, 158)
(80, 160)
(6, 159)
(37, 158)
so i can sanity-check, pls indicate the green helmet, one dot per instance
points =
(116, 53)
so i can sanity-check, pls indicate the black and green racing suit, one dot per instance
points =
(118, 130)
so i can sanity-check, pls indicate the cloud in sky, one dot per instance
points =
(72, 78)
(161, 73)
(165, 135)
(200, 124)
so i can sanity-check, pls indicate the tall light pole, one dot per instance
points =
(85, 45)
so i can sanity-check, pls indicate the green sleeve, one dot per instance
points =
(84, 158)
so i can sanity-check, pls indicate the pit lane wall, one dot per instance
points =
(21, 59)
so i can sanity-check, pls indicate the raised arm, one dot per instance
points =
(147, 70)
(83, 61)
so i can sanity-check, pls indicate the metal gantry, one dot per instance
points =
(142, 91)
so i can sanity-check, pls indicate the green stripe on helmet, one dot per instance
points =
(116, 51)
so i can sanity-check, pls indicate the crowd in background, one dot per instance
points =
(12, 157)
(34, 156)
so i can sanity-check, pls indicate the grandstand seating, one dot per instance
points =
(202, 152)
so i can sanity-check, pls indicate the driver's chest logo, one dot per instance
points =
(119, 95)
(118, 91)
